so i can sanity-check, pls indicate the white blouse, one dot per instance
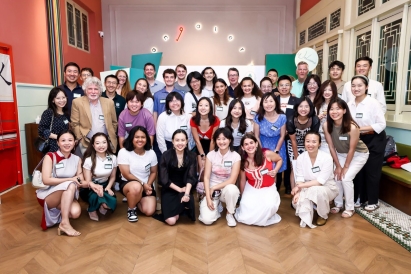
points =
(322, 170)
(222, 111)
(167, 124)
(375, 90)
(368, 113)
(251, 106)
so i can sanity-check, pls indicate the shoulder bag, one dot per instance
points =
(41, 144)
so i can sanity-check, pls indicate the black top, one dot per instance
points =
(119, 103)
(70, 94)
(231, 92)
(60, 124)
(170, 173)
(313, 124)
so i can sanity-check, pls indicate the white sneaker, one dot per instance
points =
(357, 203)
(230, 220)
(125, 200)
(220, 207)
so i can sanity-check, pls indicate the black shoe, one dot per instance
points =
(132, 215)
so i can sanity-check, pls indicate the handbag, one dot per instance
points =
(37, 180)
(41, 144)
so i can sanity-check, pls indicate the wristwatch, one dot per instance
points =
(277, 151)
(202, 155)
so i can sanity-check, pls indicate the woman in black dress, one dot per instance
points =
(178, 176)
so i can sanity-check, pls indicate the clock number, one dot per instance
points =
(242, 49)
(166, 37)
(230, 37)
(215, 29)
(181, 31)
(198, 26)
(153, 49)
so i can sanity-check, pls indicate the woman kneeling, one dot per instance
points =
(315, 183)
(260, 199)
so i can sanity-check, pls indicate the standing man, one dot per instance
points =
(302, 72)
(273, 75)
(363, 66)
(91, 114)
(181, 83)
(86, 73)
(111, 83)
(169, 76)
(150, 73)
(71, 86)
(336, 70)
(233, 76)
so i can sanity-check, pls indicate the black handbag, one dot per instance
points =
(41, 144)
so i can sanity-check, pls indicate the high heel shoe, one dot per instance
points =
(61, 231)
(93, 216)
(102, 210)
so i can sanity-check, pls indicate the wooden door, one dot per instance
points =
(10, 152)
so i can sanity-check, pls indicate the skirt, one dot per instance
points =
(171, 204)
(95, 201)
(259, 206)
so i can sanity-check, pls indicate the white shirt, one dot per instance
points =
(221, 165)
(237, 135)
(190, 103)
(375, 90)
(284, 103)
(222, 111)
(148, 104)
(209, 92)
(368, 113)
(167, 124)
(322, 170)
(103, 169)
(139, 165)
(251, 106)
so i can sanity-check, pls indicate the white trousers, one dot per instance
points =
(346, 186)
(229, 196)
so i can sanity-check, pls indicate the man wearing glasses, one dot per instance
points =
(233, 75)
(86, 73)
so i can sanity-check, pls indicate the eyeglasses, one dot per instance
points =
(232, 75)
(312, 85)
(111, 83)
(85, 75)
(284, 86)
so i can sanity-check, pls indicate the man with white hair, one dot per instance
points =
(92, 113)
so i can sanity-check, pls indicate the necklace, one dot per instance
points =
(180, 161)
(298, 120)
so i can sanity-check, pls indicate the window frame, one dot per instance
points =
(83, 29)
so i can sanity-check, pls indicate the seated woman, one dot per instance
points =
(259, 196)
(99, 169)
(222, 167)
(138, 167)
(178, 176)
(315, 183)
(62, 172)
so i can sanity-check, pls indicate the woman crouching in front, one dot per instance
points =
(315, 183)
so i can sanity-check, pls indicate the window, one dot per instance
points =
(363, 45)
(317, 29)
(335, 18)
(77, 26)
(332, 53)
(365, 6)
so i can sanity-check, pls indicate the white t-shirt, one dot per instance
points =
(237, 135)
(209, 92)
(222, 111)
(149, 104)
(103, 169)
(251, 105)
(139, 164)
(221, 165)
(284, 103)
(190, 103)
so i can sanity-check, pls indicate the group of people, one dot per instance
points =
(325, 141)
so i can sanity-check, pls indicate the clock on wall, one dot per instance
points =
(198, 26)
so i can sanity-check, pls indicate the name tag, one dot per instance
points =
(316, 169)
(290, 106)
(193, 105)
(239, 134)
(183, 127)
(274, 128)
(339, 95)
(228, 163)
(108, 166)
(219, 108)
(358, 115)
(129, 124)
(343, 138)
(148, 167)
(58, 166)
(76, 95)
(65, 122)
(264, 171)
(101, 117)
(369, 94)
(163, 101)
(253, 112)
(117, 105)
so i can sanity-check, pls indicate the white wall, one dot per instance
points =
(261, 26)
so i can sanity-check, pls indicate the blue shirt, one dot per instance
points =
(72, 94)
(160, 99)
(158, 85)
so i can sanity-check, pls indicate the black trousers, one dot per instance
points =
(287, 174)
(367, 181)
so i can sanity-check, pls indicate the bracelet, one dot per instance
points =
(188, 195)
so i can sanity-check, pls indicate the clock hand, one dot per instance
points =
(181, 31)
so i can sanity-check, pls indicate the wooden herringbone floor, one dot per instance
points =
(113, 245)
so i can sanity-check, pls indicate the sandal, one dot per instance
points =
(335, 209)
(347, 213)
(371, 208)
(61, 231)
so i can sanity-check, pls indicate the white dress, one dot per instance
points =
(64, 168)
(322, 171)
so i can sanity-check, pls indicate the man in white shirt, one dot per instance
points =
(302, 72)
(363, 66)
(150, 73)
(335, 71)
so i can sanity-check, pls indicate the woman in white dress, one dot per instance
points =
(62, 172)
(314, 184)
(259, 196)
(142, 86)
